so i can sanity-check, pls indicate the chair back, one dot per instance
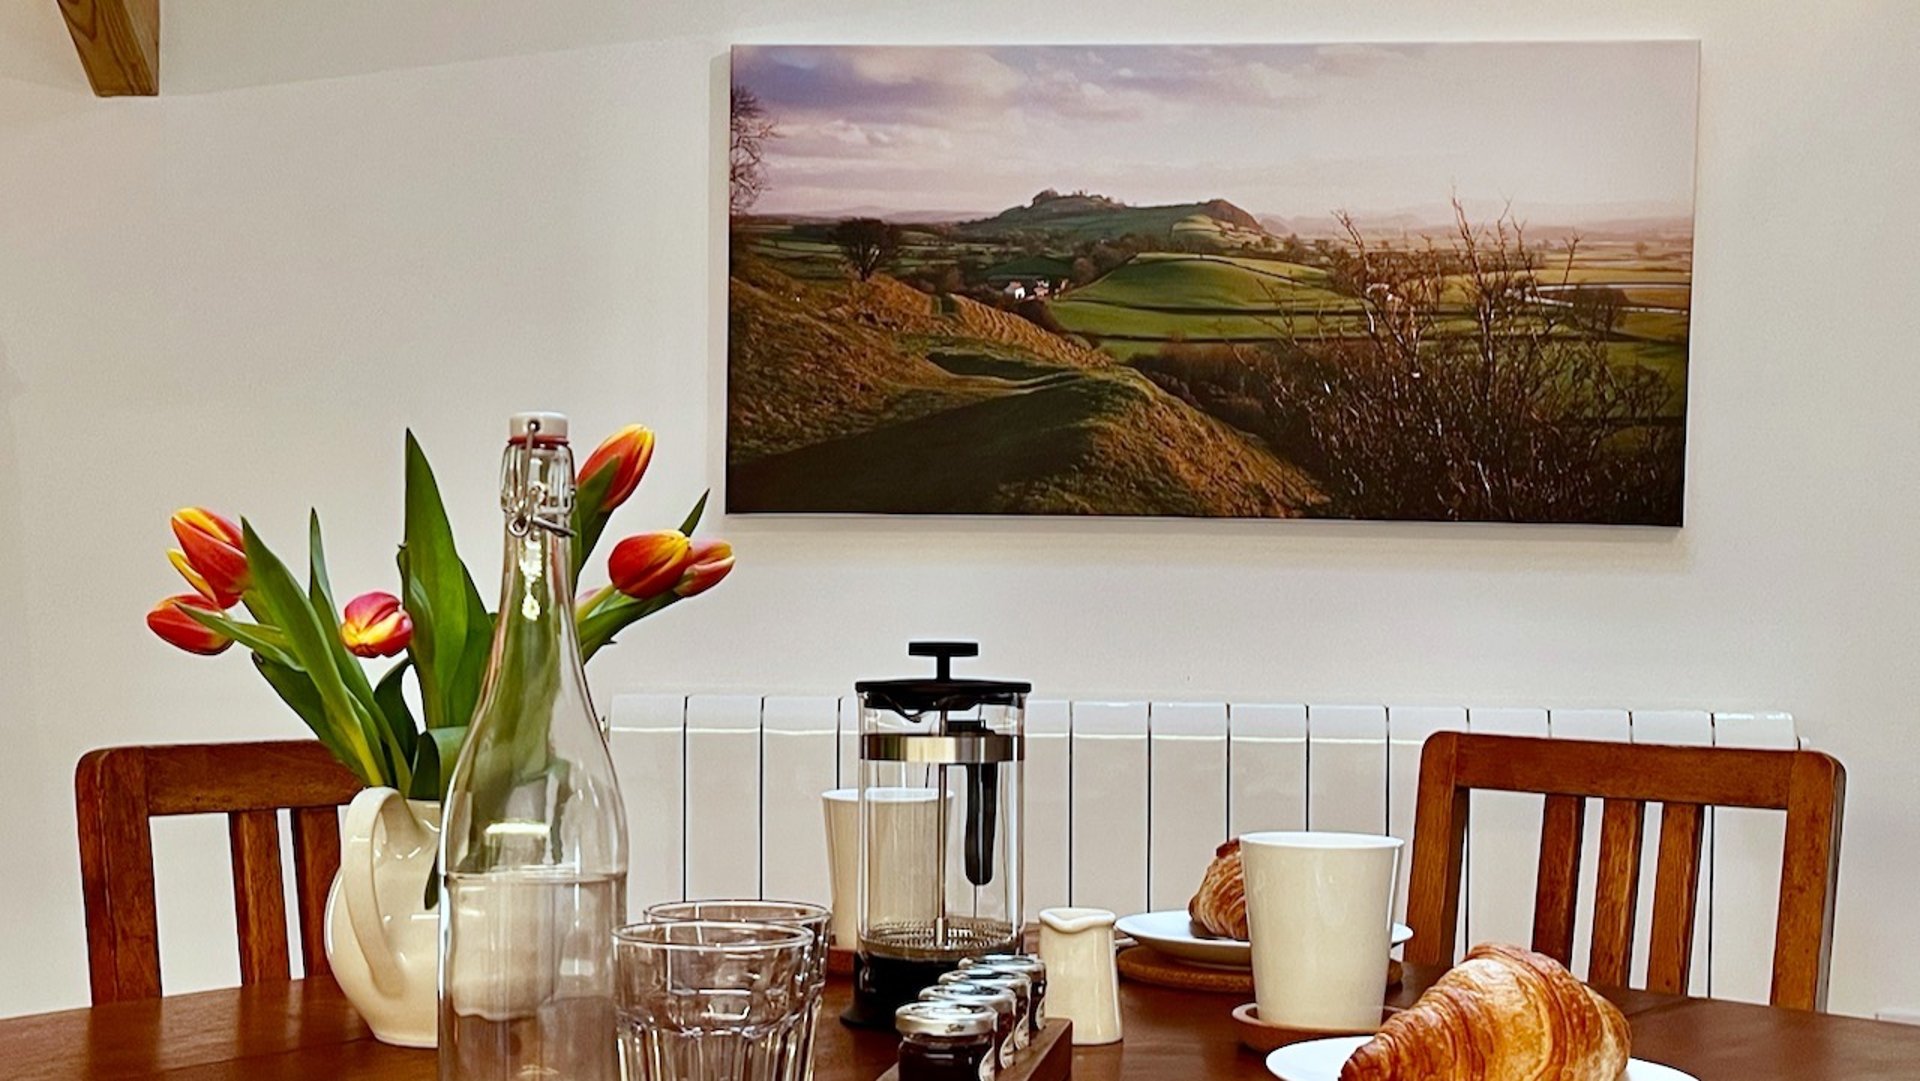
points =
(1809, 786)
(118, 790)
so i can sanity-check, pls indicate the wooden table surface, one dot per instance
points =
(305, 1030)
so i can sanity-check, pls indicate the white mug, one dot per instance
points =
(1319, 910)
(906, 833)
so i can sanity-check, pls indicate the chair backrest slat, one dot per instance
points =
(259, 896)
(1556, 896)
(1616, 898)
(1684, 781)
(1676, 897)
(118, 790)
(316, 857)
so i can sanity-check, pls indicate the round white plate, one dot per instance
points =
(1320, 1060)
(1171, 932)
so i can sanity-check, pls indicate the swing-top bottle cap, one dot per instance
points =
(542, 428)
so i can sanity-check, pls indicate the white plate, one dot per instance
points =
(1171, 932)
(1320, 1060)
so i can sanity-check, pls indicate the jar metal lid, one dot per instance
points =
(943, 1018)
(1026, 962)
(974, 994)
(1017, 982)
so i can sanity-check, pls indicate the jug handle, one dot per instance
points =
(372, 808)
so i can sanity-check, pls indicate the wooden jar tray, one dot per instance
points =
(1048, 1058)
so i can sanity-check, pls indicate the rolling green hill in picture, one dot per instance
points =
(1080, 216)
(873, 397)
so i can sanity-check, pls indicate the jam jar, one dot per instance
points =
(1034, 969)
(1006, 980)
(1002, 1002)
(946, 1041)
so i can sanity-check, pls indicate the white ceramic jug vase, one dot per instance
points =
(382, 940)
(1083, 984)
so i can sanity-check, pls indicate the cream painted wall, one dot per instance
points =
(352, 217)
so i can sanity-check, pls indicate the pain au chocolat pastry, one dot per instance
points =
(1503, 1014)
(1220, 908)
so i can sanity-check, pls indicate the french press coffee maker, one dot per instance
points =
(940, 830)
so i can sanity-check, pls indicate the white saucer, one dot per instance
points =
(1171, 932)
(1320, 1060)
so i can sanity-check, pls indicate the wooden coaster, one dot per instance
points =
(1264, 1038)
(1148, 965)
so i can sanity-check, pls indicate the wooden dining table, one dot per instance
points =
(304, 1029)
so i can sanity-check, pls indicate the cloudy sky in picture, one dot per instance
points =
(1568, 132)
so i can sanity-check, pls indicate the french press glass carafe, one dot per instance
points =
(940, 829)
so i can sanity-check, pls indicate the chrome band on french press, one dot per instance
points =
(943, 750)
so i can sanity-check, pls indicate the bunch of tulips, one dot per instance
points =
(311, 653)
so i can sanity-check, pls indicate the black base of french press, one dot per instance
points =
(882, 985)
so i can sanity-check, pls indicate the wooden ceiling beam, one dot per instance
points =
(118, 42)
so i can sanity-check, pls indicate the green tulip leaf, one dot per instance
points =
(434, 757)
(388, 695)
(266, 641)
(396, 735)
(449, 632)
(693, 517)
(287, 607)
(298, 692)
(614, 616)
(588, 520)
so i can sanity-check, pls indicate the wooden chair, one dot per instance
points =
(1807, 785)
(118, 789)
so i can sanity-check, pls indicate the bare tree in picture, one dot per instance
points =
(751, 127)
(1515, 412)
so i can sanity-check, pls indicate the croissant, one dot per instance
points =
(1220, 908)
(1503, 1014)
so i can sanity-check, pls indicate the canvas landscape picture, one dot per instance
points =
(1419, 282)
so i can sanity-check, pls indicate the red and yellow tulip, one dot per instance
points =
(211, 556)
(708, 561)
(174, 626)
(627, 453)
(650, 564)
(375, 625)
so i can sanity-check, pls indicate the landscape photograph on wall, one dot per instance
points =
(1419, 282)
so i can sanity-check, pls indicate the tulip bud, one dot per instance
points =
(648, 565)
(212, 549)
(169, 620)
(708, 562)
(627, 453)
(376, 625)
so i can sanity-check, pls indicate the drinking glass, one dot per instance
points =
(797, 914)
(705, 1000)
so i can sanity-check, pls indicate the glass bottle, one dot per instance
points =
(534, 852)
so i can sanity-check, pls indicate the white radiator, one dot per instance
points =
(1126, 800)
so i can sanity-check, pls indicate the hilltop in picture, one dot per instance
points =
(1442, 282)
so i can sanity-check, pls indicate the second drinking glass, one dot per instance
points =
(705, 1000)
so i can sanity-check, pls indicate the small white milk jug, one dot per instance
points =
(1083, 984)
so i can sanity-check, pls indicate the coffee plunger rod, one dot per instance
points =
(983, 782)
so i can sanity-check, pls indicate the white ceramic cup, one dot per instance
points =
(906, 831)
(1319, 910)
